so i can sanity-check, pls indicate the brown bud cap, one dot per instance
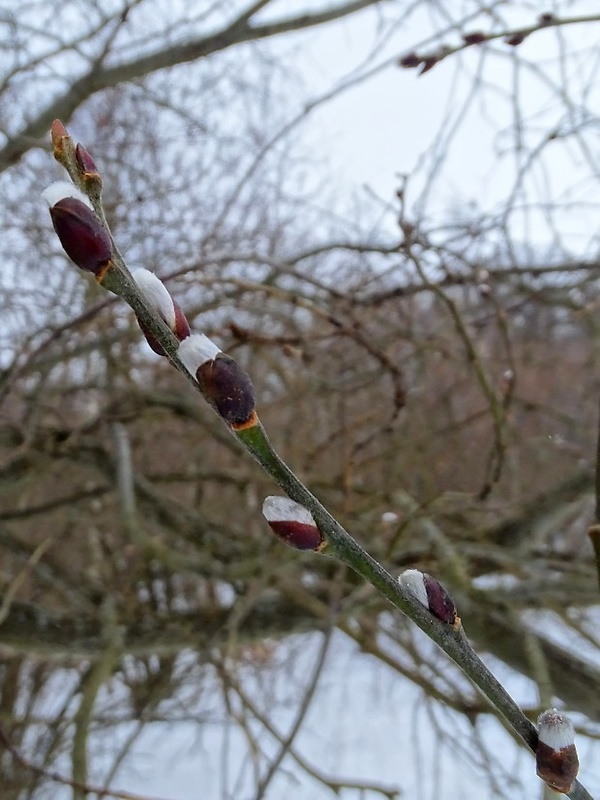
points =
(59, 135)
(292, 523)
(229, 389)
(430, 593)
(556, 757)
(83, 237)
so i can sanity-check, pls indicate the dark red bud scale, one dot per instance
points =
(297, 534)
(150, 338)
(229, 388)
(441, 604)
(86, 163)
(181, 329)
(182, 326)
(82, 235)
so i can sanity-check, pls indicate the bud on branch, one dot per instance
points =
(85, 162)
(292, 523)
(556, 757)
(223, 382)
(431, 594)
(83, 237)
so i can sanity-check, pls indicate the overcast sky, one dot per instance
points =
(387, 125)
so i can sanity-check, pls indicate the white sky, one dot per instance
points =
(386, 126)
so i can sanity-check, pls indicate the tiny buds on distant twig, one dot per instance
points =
(474, 37)
(83, 237)
(157, 294)
(410, 61)
(223, 382)
(431, 594)
(556, 757)
(292, 523)
(516, 39)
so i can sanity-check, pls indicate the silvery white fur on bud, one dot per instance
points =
(196, 350)
(156, 293)
(284, 509)
(412, 581)
(60, 189)
(555, 729)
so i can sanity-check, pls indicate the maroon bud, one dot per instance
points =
(556, 757)
(181, 330)
(441, 604)
(83, 237)
(546, 19)
(476, 37)
(292, 523)
(431, 594)
(410, 61)
(150, 338)
(182, 326)
(84, 160)
(516, 39)
(295, 534)
(229, 389)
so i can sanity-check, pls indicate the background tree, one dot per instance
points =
(429, 368)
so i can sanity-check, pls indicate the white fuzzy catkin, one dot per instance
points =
(156, 293)
(413, 581)
(555, 730)
(196, 350)
(61, 189)
(282, 509)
